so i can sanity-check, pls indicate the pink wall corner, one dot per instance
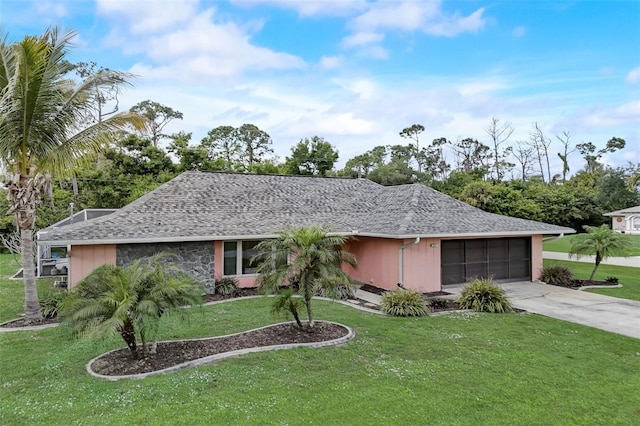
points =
(84, 259)
(421, 265)
(377, 261)
(536, 256)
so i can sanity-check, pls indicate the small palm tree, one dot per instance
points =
(130, 301)
(600, 242)
(306, 259)
(43, 129)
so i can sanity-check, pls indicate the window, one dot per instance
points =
(237, 257)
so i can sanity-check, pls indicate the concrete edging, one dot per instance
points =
(27, 328)
(598, 286)
(212, 358)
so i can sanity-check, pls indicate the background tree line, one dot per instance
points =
(499, 175)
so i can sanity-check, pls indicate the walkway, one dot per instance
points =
(633, 261)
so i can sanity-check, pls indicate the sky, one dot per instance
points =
(357, 72)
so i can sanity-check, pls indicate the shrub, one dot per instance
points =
(482, 295)
(50, 305)
(613, 280)
(286, 303)
(436, 304)
(403, 303)
(338, 291)
(557, 275)
(227, 286)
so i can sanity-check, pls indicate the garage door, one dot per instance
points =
(499, 258)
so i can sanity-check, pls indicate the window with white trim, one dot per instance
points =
(237, 257)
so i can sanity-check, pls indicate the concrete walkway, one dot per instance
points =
(620, 316)
(633, 261)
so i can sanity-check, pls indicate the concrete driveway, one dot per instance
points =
(594, 310)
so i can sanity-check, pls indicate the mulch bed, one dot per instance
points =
(243, 293)
(375, 290)
(23, 323)
(168, 354)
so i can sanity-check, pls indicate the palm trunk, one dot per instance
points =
(32, 313)
(128, 334)
(307, 302)
(598, 260)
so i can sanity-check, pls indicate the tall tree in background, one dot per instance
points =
(313, 156)
(472, 155)
(223, 142)
(565, 140)
(413, 134)
(256, 144)
(499, 134)
(158, 115)
(42, 112)
(541, 144)
(524, 154)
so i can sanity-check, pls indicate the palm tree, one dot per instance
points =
(600, 241)
(43, 129)
(130, 301)
(306, 258)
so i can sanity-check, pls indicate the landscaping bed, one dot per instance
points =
(169, 354)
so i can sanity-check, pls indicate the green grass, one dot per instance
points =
(629, 277)
(564, 244)
(460, 369)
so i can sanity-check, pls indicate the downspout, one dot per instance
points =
(400, 250)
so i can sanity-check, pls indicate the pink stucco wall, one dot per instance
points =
(84, 259)
(377, 261)
(536, 256)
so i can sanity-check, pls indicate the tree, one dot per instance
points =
(130, 301)
(600, 242)
(471, 155)
(523, 153)
(223, 142)
(256, 144)
(499, 134)
(565, 139)
(313, 156)
(41, 114)
(541, 145)
(158, 115)
(413, 133)
(305, 258)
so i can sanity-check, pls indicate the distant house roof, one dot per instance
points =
(81, 216)
(623, 212)
(202, 206)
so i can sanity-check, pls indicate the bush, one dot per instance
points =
(403, 303)
(557, 275)
(50, 305)
(227, 286)
(436, 304)
(613, 280)
(339, 291)
(482, 295)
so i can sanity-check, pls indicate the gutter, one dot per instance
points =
(400, 250)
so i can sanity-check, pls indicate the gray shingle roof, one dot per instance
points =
(209, 205)
(628, 210)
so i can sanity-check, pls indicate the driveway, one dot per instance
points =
(594, 310)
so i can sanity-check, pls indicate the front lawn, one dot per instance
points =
(629, 277)
(564, 245)
(456, 369)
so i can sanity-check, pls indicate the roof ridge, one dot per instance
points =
(406, 221)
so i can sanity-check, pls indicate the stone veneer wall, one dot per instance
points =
(197, 257)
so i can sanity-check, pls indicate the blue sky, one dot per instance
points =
(357, 72)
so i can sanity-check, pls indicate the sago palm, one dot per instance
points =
(44, 130)
(130, 301)
(600, 242)
(306, 258)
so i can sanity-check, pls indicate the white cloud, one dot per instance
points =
(359, 39)
(427, 17)
(51, 9)
(331, 62)
(634, 76)
(519, 31)
(149, 16)
(627, 113)
(307, 8)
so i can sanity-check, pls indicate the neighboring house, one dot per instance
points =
(53, 259)
(408, 234)
(626, 220)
